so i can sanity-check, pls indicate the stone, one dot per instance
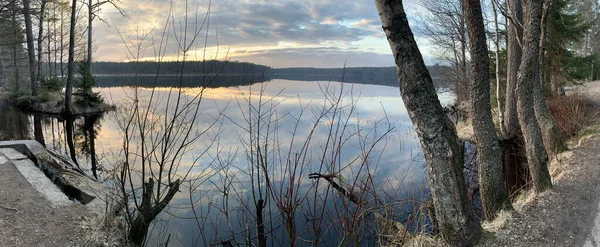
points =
(12, 154)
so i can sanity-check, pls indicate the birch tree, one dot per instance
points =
(441, 148)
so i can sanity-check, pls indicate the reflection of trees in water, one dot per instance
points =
(37, 129)
(74, 137)
(14, 125)
(86, 131)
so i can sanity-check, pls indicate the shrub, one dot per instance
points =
(52, 84)
(84, 95)
(572, 113)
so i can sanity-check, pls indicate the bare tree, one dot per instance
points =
(30, 48)
(494, 196)
(446, 28)
(93, 8)
(158, 131)
(528, 75)
(39, 41)
(71, 62)
(441, 148)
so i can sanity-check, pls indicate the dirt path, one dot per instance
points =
(569, 214)
(27, 219)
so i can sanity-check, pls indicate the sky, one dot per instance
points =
(277, 33)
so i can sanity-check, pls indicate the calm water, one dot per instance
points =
(378, 152)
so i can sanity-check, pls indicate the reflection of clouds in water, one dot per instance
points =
(396, 167)
(374, 103)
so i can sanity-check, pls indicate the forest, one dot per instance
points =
(507, 62)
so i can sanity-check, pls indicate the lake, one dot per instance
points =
(261, 141)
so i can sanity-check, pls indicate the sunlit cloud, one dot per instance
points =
(275, 33)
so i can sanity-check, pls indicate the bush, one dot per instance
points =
(572, 113)
(25, 102)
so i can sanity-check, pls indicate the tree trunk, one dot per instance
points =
(3, 78)
(16, 53)
(89, 44)
(70, 65)
(497, 43)
(260, 224)
(147, 211)
(39, 43)
(62, 45)
(441, 148)
(528, 75)
(491, 177)
(30, 48)
(542, 57)
(515, 32)
(552, 139)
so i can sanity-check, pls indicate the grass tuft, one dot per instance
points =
(500, 221)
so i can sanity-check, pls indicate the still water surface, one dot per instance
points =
(374, 117)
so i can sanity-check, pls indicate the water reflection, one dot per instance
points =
(217, 208)
(14, 125)
(86, 132)
(72, 137)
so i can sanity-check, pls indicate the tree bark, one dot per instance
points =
(16, 52)
(550, 135)
(515, 33)
(544, 29)
(30, 48)
(441, 148)
(494, 196)
(3, 78)
(527, 76)
(71, 64)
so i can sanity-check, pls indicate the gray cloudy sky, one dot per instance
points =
(278, 33)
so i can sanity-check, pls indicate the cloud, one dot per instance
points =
(276, 33)
(325, 57)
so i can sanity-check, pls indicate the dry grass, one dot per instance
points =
(425, 240)
(559, 166)
(500, 221)
(464, 130)
(523, 199)
(103, 231)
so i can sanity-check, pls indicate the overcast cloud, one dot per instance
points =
(279, 33)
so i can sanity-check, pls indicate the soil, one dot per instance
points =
(569, 213)
(27, 219)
